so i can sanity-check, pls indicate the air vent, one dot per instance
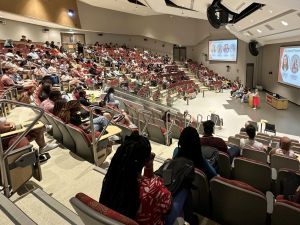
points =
(269, 27)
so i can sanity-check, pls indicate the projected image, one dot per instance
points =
(223, 50)
(289, 71)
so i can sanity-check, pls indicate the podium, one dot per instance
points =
(277, 103)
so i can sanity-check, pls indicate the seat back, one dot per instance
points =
(270, 128)
(264, 141)
(281, 161)
(201, 194)
(287, 182)
(233, 141)
(224, 165)
(156, 134)
(286, 212)
(56, 131)
(176, 131)
(255, 154)
(92, 212)
(252, 172)
(82, 143)
(22, 164)
(68, 140)
(237, 203)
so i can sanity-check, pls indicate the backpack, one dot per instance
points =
(211, 154)
(177, 174)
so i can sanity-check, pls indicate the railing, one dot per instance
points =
(199, 121)
(169, 126)
(95, 140)
(187, 122)
(4, 155)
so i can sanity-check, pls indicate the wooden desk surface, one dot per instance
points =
(111, 130)
(14, 132)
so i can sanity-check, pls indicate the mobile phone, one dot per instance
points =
(167, 176)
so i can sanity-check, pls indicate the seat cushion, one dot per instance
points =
(104, 210)
(280, 198)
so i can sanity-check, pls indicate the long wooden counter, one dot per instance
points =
(277, 103)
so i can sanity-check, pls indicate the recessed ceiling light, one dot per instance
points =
(270, 11)
(251, 21)
(258, 30)
(284, 23)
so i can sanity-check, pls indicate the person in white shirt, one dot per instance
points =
(285, 145)
(250, 142)
(33, 55)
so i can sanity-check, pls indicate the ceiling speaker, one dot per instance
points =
(253, 48)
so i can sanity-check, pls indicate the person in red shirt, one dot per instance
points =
(142, 198)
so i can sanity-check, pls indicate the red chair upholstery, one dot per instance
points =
(93, 212)
(237, 203)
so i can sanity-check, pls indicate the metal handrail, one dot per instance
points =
(95, 140)
(4, 155)
(187, 122)
(199, 121)
(145, 112)
(169, 127)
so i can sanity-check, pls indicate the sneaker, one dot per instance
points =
(48, 147)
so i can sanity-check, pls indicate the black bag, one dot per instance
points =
(177, 174)
(211, 154)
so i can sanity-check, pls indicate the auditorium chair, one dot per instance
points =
(84, 147)
(252, 172)
(92, 212)
(287, 182)
(224, 165)
(201, 194)
(233, 141)
(216, 119)
(240, 136)
(264, 141)
(285, 212)
(156, 133)
(57, 134)
(296, 148)
(281, 161)
(270, 128)
(67, 138)
(236, 203)
(21, 165)
(257, 155)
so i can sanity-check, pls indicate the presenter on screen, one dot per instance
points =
(295, 66)
(285, 63)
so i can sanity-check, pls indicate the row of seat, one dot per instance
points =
(225, 201)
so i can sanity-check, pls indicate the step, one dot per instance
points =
(43, 209)
(12, 214)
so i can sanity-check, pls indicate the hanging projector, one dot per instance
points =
(218, 15)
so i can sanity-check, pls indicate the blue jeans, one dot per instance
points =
(177, 206)
(99, 123)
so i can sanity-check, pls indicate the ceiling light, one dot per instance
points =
(284, 23)
(258, 30)
(270, 11)
(251, 21)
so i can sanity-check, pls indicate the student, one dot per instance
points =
(250, 141)
(48, 104)
(285, 145)
(143, 198)
(110, 98)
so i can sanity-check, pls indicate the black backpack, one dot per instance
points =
(177, 174)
